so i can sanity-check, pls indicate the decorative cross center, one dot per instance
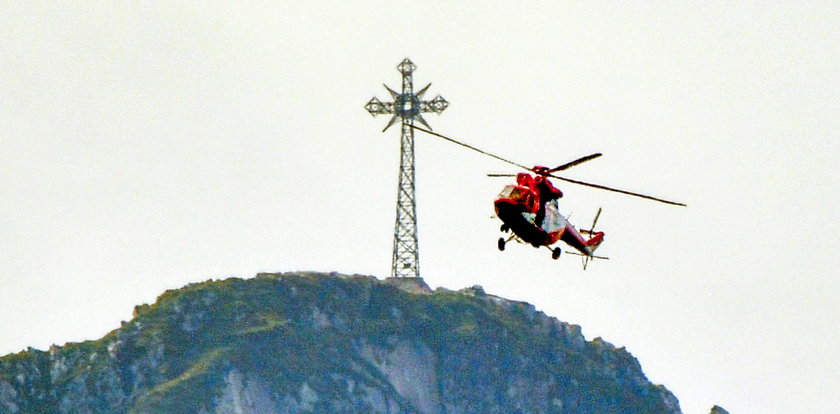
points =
(406, 105)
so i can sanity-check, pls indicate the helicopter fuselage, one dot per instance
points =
(518, 207)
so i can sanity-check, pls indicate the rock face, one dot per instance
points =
(318, 343)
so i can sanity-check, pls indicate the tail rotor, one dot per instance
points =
(591, 232)
(594, 222)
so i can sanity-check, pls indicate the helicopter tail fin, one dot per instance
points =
(595, 241)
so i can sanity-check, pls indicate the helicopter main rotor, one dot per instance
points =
(548, 172)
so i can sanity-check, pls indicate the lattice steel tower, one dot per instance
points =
(407, 106)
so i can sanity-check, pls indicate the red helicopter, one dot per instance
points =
(528, 208)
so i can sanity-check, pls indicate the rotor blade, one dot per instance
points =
(594, 222)
(581, 254)
(470, 147)
(501, 175)
(575, 162)
(616, 190)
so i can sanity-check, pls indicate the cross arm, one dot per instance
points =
(377, 107)
(436, 105)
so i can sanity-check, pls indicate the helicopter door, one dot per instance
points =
(554, 221)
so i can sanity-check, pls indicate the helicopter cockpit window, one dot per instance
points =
(511, 192)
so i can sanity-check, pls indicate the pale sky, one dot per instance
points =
(150, 145)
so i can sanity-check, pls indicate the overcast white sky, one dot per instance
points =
(149, 145)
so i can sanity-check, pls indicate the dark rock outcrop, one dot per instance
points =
(307, 342)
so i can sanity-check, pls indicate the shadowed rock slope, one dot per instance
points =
(319, 343)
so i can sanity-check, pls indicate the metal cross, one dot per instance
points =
(407, 106)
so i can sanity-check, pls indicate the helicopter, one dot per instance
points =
(528, 208)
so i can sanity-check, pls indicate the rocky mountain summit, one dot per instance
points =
(328, 343)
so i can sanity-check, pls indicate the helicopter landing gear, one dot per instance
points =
(504, 228)
(555, 254)
(502, 244)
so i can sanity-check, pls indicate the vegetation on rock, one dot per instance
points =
(309, 342)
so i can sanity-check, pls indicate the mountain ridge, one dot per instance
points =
(316, 342)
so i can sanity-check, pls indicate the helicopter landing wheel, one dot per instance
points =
(555, 254)
(504, 228)
(502, 244)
